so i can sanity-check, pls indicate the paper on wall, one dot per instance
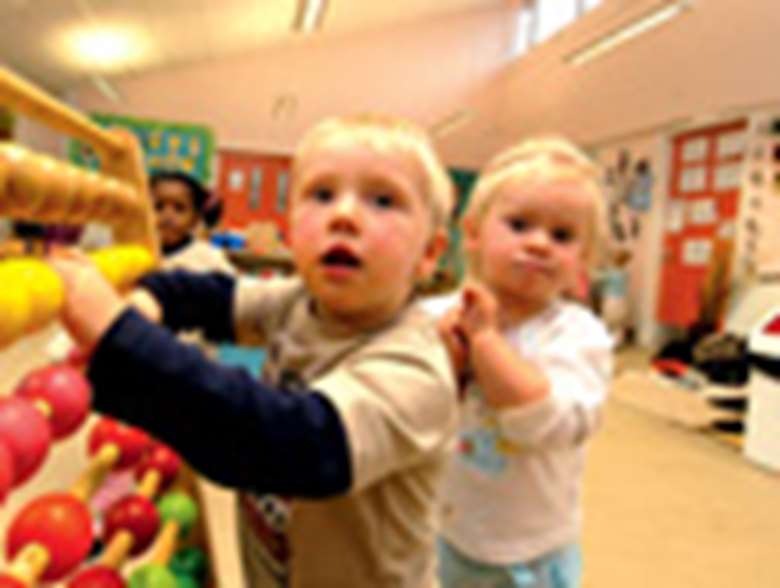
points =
(703, 211)
(697, 252)
(694, 150)
(693, 179)
(727, 176)
(731, 144)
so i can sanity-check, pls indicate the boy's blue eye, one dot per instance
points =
(384, 200)
(517, 224)
(562, 235)
(322, 194)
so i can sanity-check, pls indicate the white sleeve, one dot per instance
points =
(578, 365)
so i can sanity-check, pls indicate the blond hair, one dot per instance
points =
(548, 157)
(388, 134)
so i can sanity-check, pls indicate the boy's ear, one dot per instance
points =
(434, 249)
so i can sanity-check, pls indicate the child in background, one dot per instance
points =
(614, 286)
(179, 201)
(539, 368)
(357, 412)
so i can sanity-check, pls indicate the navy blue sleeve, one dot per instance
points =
(195, 301)
(227, 425)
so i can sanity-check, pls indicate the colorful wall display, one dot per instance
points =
(166, 145)
(758, 240)
(629, 188)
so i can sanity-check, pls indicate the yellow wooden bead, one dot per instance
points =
(42, 286)
(14, 306)
(106, 261)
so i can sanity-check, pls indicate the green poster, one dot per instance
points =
(452, 261)
(166, 145)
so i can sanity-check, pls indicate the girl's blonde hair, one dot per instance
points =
(548, 157)
(387, 134)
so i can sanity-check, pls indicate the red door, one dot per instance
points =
(253, 188)
(699, 226)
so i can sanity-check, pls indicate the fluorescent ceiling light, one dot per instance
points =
(106, 88)
(451, 123)
(631, 30)
(310, 15)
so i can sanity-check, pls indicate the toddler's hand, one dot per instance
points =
(479, 312)
(91, 304)
(455, 341)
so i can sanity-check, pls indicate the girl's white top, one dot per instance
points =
(513, 488)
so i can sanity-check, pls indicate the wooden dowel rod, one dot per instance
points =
(118, 549)
(23, 97)
(30, 563)
(95, 472)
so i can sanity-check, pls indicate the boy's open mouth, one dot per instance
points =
(340, 257)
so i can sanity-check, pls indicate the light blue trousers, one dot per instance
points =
(560, 569)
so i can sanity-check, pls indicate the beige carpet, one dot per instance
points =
(667, 507)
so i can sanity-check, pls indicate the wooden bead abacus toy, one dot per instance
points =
(53, 534)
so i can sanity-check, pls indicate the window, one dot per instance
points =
(538, 20)
(524, 37)
(282, 181)
(255, 188)
(552, 16)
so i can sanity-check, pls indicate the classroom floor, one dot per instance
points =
(673, 508)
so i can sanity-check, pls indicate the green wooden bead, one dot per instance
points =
(179, 507)
(185, 581)
(190, 561)
(153, 576)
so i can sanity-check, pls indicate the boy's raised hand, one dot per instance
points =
(91, 304)
(455, 341)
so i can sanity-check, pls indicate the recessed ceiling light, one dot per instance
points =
(106, 49)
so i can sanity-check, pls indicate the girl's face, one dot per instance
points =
(531, 243)
(176, 214)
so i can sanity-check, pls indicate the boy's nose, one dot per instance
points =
(345, 212)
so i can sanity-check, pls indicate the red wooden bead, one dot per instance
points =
(27, 434)
(6, 470)
(7, 581)
(163, 459)
(134, 513)
(132, 442)
(97, 577)
(65, 390)
(62, 524)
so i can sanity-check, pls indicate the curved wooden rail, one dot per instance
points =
(35, 187)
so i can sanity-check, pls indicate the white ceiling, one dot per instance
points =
(33, 33)
(425, 59)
